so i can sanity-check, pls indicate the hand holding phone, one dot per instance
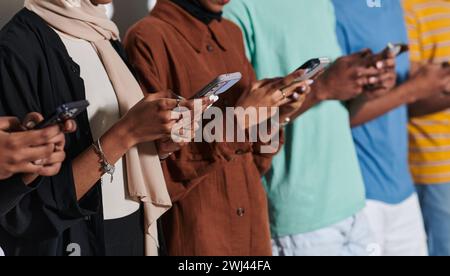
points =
(64, 113)
(312, 68)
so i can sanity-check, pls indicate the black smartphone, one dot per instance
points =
(63, 113)
(312, 67)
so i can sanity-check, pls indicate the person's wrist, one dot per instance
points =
(124, 134)
(410, 92)
(320, 91)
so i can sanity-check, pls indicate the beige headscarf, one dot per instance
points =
(83, 20)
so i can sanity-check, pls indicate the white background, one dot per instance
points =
(127, 12)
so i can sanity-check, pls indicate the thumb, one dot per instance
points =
(32, 119)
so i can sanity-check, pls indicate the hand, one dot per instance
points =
(270, 92)
(346, 78)
(385, 63)
(184, 131)
(288, 110)
(267, 94)
(50, 165)
(21, 148)
(430, 80)
(153, 119)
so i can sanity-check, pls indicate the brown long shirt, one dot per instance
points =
(220, 205)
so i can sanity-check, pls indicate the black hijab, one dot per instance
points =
(198, 11)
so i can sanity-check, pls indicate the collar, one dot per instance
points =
(193, 30)
(197, 10)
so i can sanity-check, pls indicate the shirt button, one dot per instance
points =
(210, 48)
(241, 212)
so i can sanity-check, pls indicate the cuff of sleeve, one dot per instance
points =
(66, 197)
(13, 190)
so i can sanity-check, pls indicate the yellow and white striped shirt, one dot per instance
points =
(428, 23)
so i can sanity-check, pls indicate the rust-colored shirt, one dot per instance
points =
(220, 206)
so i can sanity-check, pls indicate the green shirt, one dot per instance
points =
(315, 180)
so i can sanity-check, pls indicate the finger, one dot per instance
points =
(32, 119)
(263, 83)
(37, 137)
(385, 64)
(361, 82)
(54, 158)
(292, 106)
(172, 95)
(293, 77)
(58, 139)
(299, 87)
(203, 102)
(287, 81)
(303, 90)
(167, 128)
(60, 146)
(31, 154)
(167, 104)
(189, 104)
(9, 124)
(26, 167)
(365, 72)
(69, 126)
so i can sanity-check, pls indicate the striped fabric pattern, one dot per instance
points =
(428, 23)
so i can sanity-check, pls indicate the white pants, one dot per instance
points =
(350, 237)
(399, 229)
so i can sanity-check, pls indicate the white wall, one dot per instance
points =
(126, 12)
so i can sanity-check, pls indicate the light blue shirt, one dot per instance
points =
(382, 144)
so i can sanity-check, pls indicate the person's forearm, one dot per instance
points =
(364, 109)
(86, 167)
(429, 106)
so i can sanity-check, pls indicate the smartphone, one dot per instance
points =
(398, 49)
(312, 67)
(219, 85)
(63, 113)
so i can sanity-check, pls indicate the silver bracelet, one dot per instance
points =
(107, 168)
